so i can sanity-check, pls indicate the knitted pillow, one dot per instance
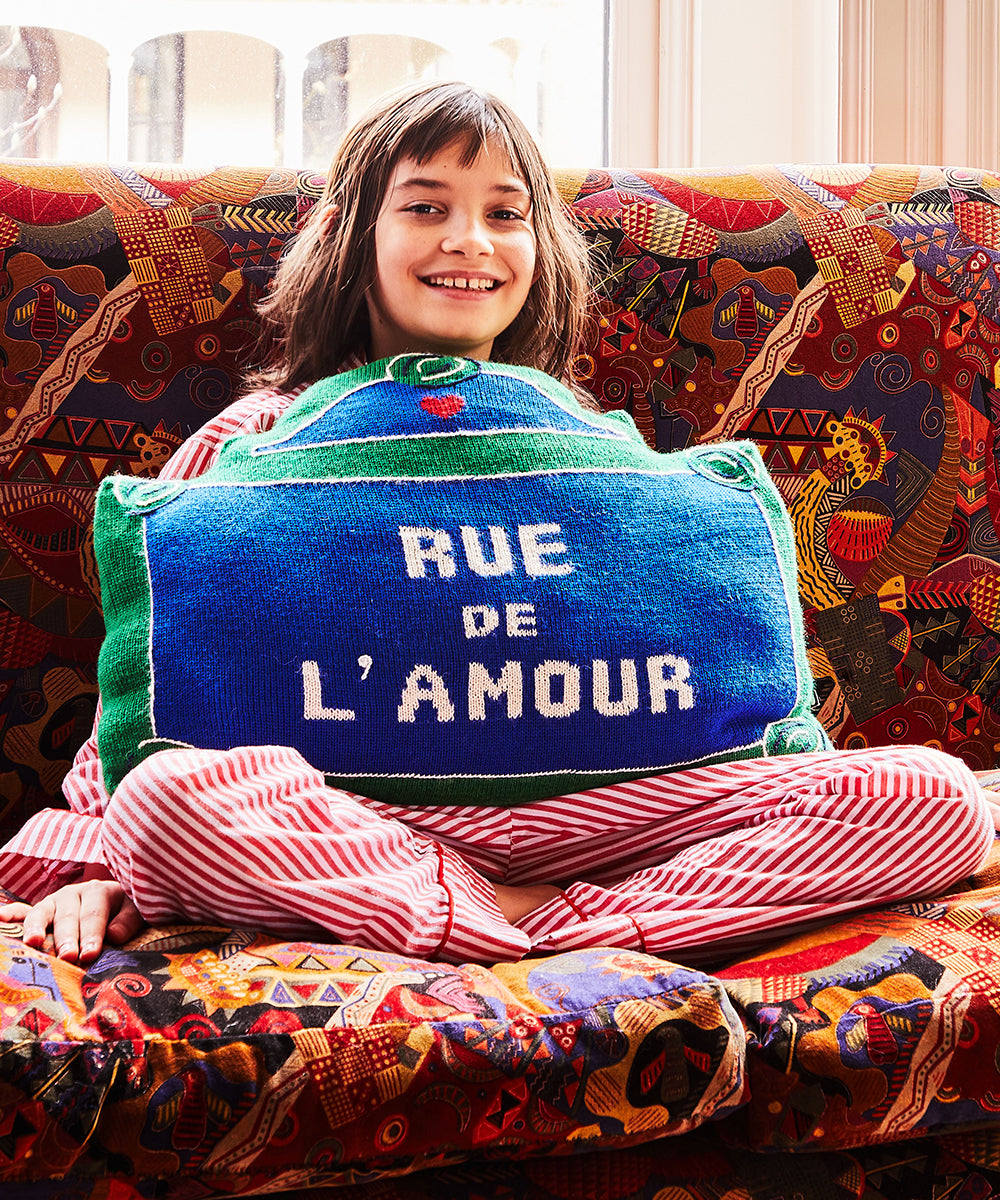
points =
(446, 582)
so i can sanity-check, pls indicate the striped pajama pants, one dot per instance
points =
(692, 865)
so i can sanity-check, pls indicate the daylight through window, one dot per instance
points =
(208, 82)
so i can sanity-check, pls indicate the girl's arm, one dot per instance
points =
(55, 862)
(255, 413)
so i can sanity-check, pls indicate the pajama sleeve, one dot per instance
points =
(54, 845)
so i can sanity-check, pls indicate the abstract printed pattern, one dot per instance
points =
(218, 1060)
(307, 1061)
(845, 318)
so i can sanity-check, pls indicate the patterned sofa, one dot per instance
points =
(846, 319)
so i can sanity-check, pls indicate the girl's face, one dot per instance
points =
(454, 255)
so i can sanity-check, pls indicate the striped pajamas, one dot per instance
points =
(689, 864)
(693, 865)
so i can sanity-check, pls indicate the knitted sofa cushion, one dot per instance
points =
(445, 581)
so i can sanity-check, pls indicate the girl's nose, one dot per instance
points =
(467, 234)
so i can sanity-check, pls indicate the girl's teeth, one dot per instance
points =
(475, 285)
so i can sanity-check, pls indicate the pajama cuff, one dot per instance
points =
(563, 924)
(475, 928)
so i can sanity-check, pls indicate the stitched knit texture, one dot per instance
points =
(445, 581)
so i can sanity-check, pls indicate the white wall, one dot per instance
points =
(920, 80)
(768, 81)
(716, 82)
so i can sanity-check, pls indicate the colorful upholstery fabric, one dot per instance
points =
(846, 319)
(699, 1167)
(225, 1056)
(221, 1060)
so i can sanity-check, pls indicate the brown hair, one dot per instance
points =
(315, 315)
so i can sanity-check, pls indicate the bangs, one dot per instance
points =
(465, 119)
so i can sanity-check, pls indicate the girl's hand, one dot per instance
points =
(80, 917)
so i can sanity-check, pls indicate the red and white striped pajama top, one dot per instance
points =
(695, 864)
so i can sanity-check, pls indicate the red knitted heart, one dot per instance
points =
(443, 406)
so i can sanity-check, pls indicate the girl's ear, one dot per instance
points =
(329, 219)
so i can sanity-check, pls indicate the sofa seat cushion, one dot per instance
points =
(231, 1057)
(880, 1027)
(245, 1062)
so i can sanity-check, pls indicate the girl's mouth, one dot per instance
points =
(462, 283)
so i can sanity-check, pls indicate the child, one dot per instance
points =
(440, 230)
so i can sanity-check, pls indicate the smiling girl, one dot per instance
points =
(437, 188)
(440, 231)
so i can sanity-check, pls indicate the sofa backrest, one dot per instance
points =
(846, 318)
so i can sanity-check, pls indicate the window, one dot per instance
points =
(672, 83)
(276, 82)
(29, 90)
(156, 100)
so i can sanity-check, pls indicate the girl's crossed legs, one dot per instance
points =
(691, 864)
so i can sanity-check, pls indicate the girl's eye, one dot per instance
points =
(509, 214)
(421, 207)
